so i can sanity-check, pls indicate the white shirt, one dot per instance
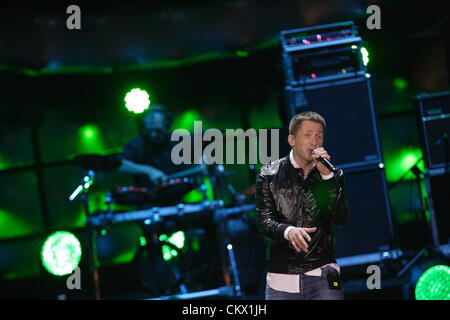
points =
(290, 282)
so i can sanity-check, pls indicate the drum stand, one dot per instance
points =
(220, 183)
(153, 247)
(232, 286)
(83, 188)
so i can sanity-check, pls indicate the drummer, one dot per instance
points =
(148, 156)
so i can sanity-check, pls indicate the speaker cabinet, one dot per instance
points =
(370, 225)
(433, 116)
(351, 135)
(439, 193)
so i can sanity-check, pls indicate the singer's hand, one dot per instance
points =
(321, 153)
(299, 238)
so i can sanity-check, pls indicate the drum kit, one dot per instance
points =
(154, 210)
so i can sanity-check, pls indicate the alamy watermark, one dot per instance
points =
(374, 280)
(213, 152)
(374, 20)
(74, 20)
(74, 280)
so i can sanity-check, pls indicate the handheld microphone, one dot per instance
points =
(327, 163)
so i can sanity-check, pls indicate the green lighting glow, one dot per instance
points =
(61, 253)
(434, 284)
(137, 100)
(408, 161)
(197, 195)
(193, 196)
(365, 56)
(177, 239)
(3, 163)
(241, 53)
(89, 131)
(186, 120)
(90, 140)
(142, 241)
(397, 165)
(400, 83)
(12, 226)
(209, 189)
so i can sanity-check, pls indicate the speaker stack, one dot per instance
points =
(433, 118)
(324, 72)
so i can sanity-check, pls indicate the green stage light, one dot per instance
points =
(434, 284)
(401, 162)
(365, 56)
(89, 131)
(137, 100)
(408, 161)
(177, 239)
(143, 241)
(61, 253)
(400, 84)
(90, 139)
(186, 120)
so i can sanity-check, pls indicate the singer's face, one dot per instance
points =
(308, 137)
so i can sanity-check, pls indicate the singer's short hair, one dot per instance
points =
(297, 120)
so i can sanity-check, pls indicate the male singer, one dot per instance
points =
(299, 201)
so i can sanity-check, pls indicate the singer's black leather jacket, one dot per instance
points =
(284, 198)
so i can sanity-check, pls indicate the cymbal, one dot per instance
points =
(97, 162)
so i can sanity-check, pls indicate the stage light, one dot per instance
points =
(89, 131)
(397, 165)
(177, 239)
(400, 84)
(61, 253)
(365, 56)
(186, 120)
(90, 139)
(434, 284)
(408, 161)
(137, 100)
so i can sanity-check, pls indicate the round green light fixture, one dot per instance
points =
(137, 100)
(434, 284)
(61, 253)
